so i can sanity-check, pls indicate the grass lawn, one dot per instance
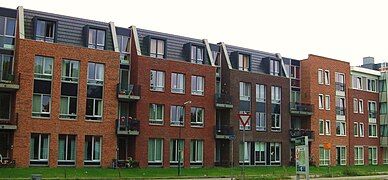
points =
(168, 173)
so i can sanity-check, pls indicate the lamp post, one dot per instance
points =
(179, 139)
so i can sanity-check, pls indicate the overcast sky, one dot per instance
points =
(340, 29)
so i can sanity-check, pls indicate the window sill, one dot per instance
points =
(67, 119)
(181, 93)
(42, 118)
(197, 126)
(153, 90)
(155, 124)
(197, 94)
(340, 135)
(93, 121)
(261, 130)
(374, 137)
(175, 125)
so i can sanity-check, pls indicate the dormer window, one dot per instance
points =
(274, 67)
(7, 32)
(45, 30)
(96, 39)
(197, 55)
(157, 48)
(123, 48)
(244, 62)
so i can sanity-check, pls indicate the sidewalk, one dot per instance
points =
(351, 177)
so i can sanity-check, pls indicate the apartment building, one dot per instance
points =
(324, 85)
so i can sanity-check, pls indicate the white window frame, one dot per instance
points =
(155, 150)
(93, 144)
(199, 121)
(155, 84)
(327, 127)
(278, 157)
(245, 91)
(199, 87)
(362, 129)
(325, 160)
(67, 139)
(343, 123)
(176, 122)
(261, 121)
(276, 94)
(260, 93)
(320, 101)
(195, 143)
(327, 102)
(358, 160)
(156, 120)
(327, 77)
(38, 114)
(321, 122)
(370, 133)
(241, 63)
(95, 115)
(374, 160)
(343, 159)
(320, 76)
(355, 105)
(39, 149)
(179, 79)
(361, 106)
(355, 129)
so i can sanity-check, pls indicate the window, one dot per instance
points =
(245, 91)
(358, 155)
(328, 127)
(41, 105)
(68, 107)
(197, 55)
(340, 81)
(372, 155)
(197, 116)
(327, 77)
(41, 101)
(324, 156)
(177, 83)
(45, 30)
(382, 86)
(156, 113)
(243, 62)
(66, 150)
(245, 152)
(357, 82)
(39, 149)
(361, 128)
(260, 152)
(276, 94)
(294, 72)
(327, 102)
(6, 67)
(157, 80)
(5, 106)
(361, 106)
(341, 128)
(274, 67)
(176, 151)
(197, 85)
(320, 76)
(320, 101)
(94, 102)
(372, 130)
(248, 125)
(177, 115)
(157, 48)
(92, 150)
(124, 49)
(372, 109)
(383, 108)
(385, 156)
(321, 127)
(70, 71)
(7, 32)
(6, 141)
(155, 151)
(93, 109)
(355, 129)
(43, 67)
(341, 155)
(275, 153)
(96, 39)
(260, 121)
(340, 106)
(371, 85)
(355, 105)
(260, 93)
(69, 89)
(95, 73)
(196, 152)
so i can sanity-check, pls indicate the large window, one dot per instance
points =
(276, 94)
(177, 83)
(5, 106)
(341, 155)
(157, 48)
(324, 156)
(69, 89)
(157, 80)
(276, 108)
(66, 150)
(372, 110)
(243, 62)
(43, 67)
(196, 152)
(92, 150)
(123, 48)
(245, 91)
(357, 82)
(340, 106)
(197, 116)
(275, 153)
(197, 54)
(245, 152)
(39, 149)
(7, 32)
(340, 81)
(372, 130)
(94, 102)
(155, 151)
(96, 39)
(45, 30)
(260, 153)
(176, 151)
(260, 93)
(358, 155)
(41, 101)
(371, 86)
(197, 85)
(260, 121)
(274, 67)
(156, 114)
(372, 155)
(341, 128)
(177, 115)
(6, 68)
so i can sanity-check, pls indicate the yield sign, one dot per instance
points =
(244, 118)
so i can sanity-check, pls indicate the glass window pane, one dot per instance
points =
(92, 36)
(98, 107)
(10, 31)
(100, 38)
(100, 71)
(64, 105)
(5, 102)
(2, 24)
(160, 47)
(46, 103)
(39, 65)
(153, 46)
(36, 102)
(91, 70)
(48, 65)
(74, 69)
(40, 28)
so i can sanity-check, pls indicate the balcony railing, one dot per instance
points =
(224, 132)
(340, 86)
(223, 100)
(372, 114)
(128, 92)
(128, 126)
(340, 111)
(8, 81)
(301, 109)
(294, 133)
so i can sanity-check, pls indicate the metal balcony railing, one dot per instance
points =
(222, 98)
(129, 90)
(340, 86)
(224, 130)
(340, 111)
(301, 108)
(294, 133)
(126, 125)
(6, 77)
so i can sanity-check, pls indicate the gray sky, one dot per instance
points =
(341, 29)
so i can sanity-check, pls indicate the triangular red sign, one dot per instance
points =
(244, 118)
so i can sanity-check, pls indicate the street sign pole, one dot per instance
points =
(302, 157)
(244, 119)
(243, 165)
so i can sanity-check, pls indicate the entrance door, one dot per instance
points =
(123, 152)
(5, 140)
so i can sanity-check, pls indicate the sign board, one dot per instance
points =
(302, 156)
(244, 118)
(327, 146)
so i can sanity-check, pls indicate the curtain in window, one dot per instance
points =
(151, 150)
(160, 47)
(100, 71)
(98, 107)
(64, 105)
(36, 102)
(74, 68)
(158, 148)
(160, 79)
(97, 150)
(92, 36)
(159, 111)
(44, 147)
(62, 148)
(66, 68)
(71, 148)
(200, 150)
(100, 37)
(153, 46)
(48, 65)
(40, 28)
(32, 148)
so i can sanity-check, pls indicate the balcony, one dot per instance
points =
(224, 132)
(127, 126)
(301, 109)
(223, 101)
(129, 92)
(8, 82)
(340, 89)
(340, 112)
(295, 133)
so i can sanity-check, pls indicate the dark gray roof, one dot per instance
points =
(6, 12)
(123, 31)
